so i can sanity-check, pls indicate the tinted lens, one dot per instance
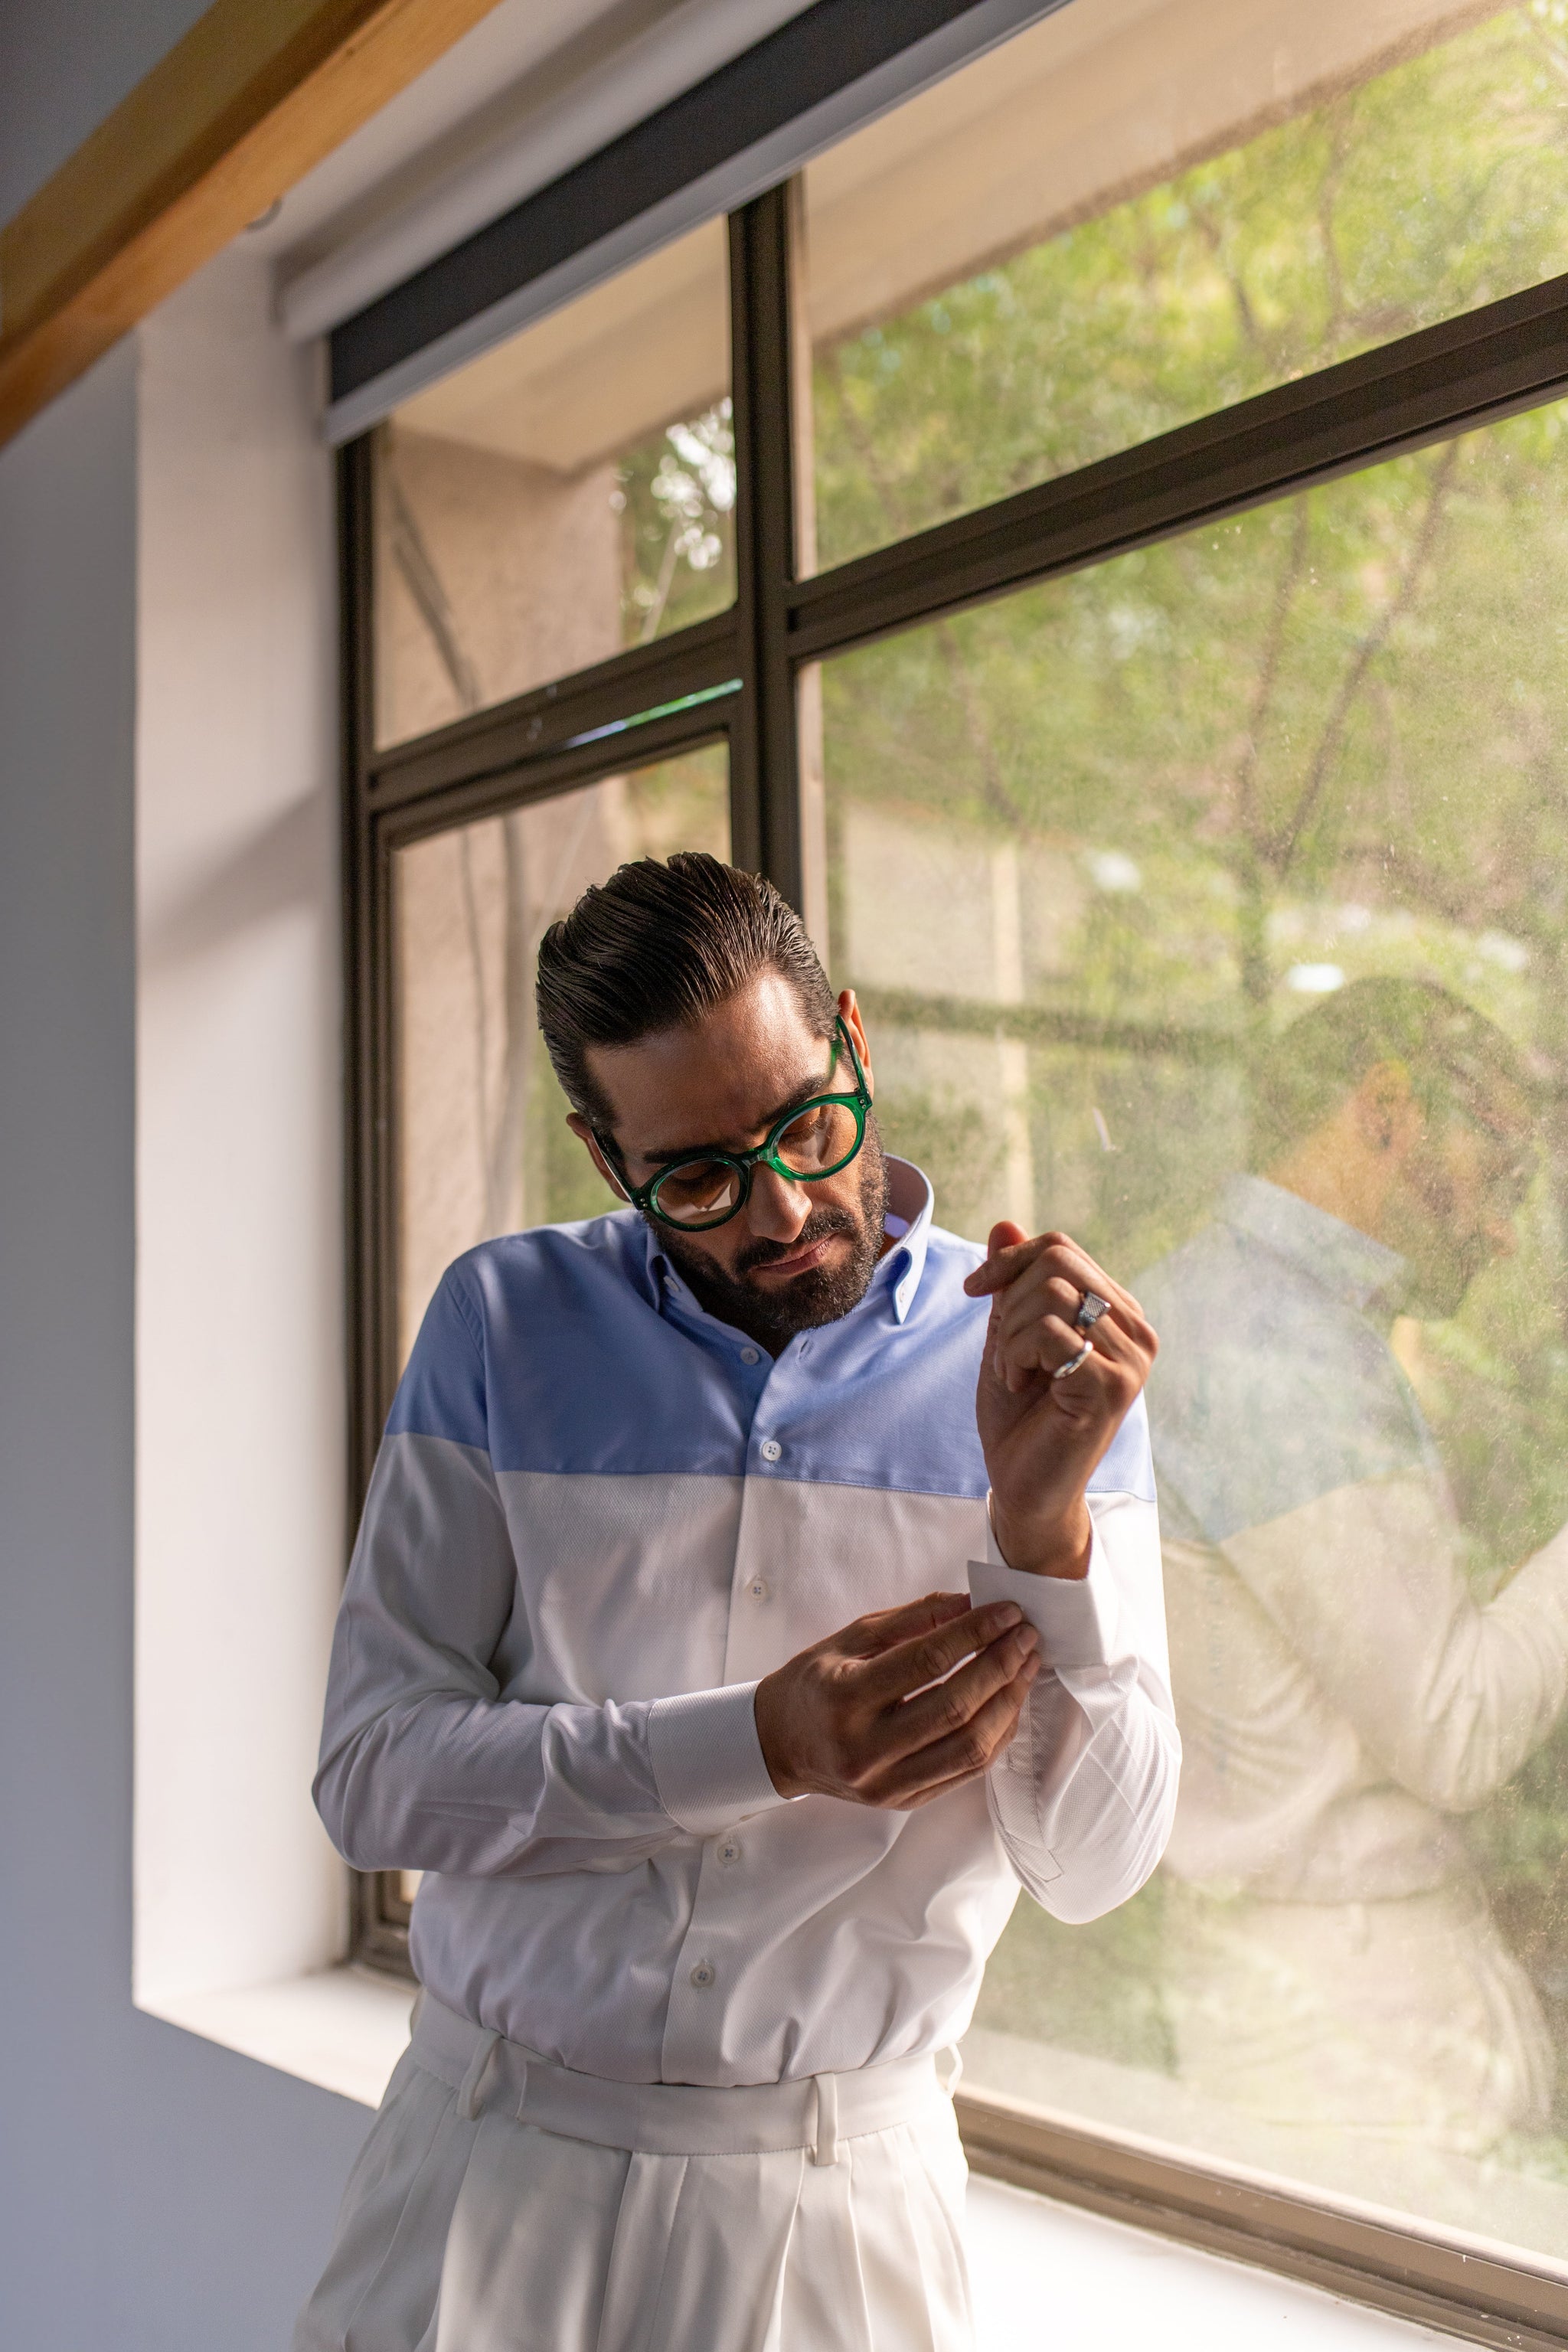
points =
(822, 1139)
(698, 1191)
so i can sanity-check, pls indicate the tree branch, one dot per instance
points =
(1281, 852)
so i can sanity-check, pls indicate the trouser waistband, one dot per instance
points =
(668, 2118)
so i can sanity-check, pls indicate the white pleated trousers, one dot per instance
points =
(504, 2205)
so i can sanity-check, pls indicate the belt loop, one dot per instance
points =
(825, 2147)
(523, 2092)
(952, 2080)
(473, 2081)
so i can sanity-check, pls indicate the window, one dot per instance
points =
(565, 495)
(1112, 579)
(1138, 874)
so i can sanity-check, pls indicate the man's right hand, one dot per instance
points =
(842, 1719)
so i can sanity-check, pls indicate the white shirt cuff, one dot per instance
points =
(707, 1757)
(1075, 1616)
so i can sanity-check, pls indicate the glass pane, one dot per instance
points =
(482, 1147)
(1210, 905)
(1132, 215)
(565, 495)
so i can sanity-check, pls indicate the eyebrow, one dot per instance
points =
(806, 1092)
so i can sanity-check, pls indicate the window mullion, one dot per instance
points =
(764, 774)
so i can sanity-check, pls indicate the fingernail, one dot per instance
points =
(1011, 1615)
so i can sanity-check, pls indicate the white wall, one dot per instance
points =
(240, 1415)
(155, 2191)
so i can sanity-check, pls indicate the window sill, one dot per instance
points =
(343, 2029)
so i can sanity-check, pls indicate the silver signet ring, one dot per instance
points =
(1090, 1313)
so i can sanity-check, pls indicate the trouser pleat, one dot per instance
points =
(378, 2291)
(529, 2248)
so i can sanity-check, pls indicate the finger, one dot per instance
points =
(936, 1714)
(1034, 1296)
(1057, 1254)
(895, 1674)
(1027, 1342)
(1008, 1253)
(916, 1780)
(881, 1629)
(1086, 1274)
(963, 1754)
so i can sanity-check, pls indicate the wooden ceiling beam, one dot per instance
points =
(249, 102)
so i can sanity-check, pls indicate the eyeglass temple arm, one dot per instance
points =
(609, 1151)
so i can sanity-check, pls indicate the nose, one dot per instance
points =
(777, 1209)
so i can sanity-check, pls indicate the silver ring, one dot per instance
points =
(1082, 1356)
(1090, 1311)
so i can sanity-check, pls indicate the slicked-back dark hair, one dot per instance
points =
(658, 947)
(1454, 1055)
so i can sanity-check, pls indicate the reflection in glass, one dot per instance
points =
(1136, 214)
(568, 494)
(1211, 905)
(482, 1144)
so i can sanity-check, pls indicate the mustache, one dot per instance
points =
(816, 1228)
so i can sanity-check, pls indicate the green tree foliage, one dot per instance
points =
(1433, 187)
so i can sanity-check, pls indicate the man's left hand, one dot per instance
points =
(1042, 1437)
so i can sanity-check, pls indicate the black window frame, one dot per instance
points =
(1508, 355)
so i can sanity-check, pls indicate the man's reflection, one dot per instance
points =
(1331, 1959)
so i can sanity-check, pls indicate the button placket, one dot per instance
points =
(754, 1591)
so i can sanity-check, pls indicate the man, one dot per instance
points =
(655, 1657)
(1331, 1961)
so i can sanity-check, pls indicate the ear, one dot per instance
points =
(849, 1012)
(1387, 1114)
(584, 1134)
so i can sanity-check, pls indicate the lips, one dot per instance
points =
(799, 1261)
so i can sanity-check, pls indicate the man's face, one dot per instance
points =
(797, 1255)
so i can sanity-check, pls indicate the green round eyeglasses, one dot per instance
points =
(704, 1189)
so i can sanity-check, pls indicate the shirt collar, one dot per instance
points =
(1338, 1258)
(910, 1207)
(911, 1204)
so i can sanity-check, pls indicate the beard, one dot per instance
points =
(1443, 1250)
(1438, 1274)
(823, 1294)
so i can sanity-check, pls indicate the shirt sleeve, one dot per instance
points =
(1366, 1586)
(1085, 1796)
(424, 1764)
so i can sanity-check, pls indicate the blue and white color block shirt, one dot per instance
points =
(598, 1517)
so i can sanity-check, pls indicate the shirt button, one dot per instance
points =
(728, 1851)
(703, 1975)
(750, 1356)
(770, 1449)
(758, 1588)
